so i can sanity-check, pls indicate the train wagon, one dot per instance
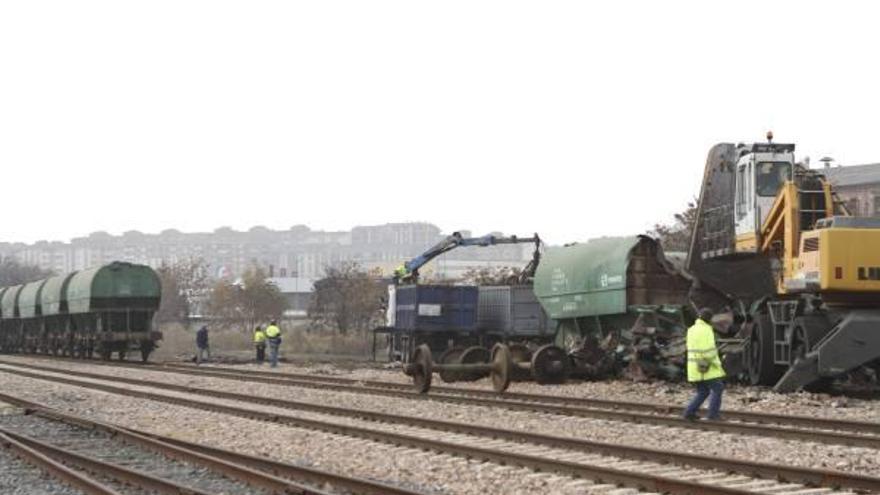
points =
(101, 311)
(594, 309)
(616, 301)
(10, 329)
(437, 315)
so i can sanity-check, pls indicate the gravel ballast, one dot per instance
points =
(429, 471)
(799, 453)
(736, 397)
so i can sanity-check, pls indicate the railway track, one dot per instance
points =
(653, 470)
(23, 472)
(828, 431)
(515, 400)
(96, 461)
(573, 406)
(139, 462)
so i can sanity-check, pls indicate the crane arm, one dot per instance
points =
(409, 271)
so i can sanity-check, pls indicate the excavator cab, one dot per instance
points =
(761, 171)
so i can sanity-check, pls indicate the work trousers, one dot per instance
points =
(273, 353)
(261, 352)
(707, 388)
(203, 354)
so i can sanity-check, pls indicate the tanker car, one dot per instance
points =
(100, 311)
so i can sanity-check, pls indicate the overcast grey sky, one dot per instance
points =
(570, 119)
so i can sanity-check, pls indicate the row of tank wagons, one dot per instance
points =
(101, 311)
(609, 307)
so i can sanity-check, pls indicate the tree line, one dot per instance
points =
(188, 292)
(676, 236)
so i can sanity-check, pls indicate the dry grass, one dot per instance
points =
(179, 342)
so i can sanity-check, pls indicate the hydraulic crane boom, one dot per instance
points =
(409, 271)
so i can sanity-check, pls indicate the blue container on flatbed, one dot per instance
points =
(512, 312)
(436, 308)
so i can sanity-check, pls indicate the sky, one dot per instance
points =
(570, 119)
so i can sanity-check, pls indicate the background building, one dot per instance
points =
(297, 292)
(859, 186)
(297, 252)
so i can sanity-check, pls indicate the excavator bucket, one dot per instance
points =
(723, 277)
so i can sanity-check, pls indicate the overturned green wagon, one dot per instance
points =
(618, 305)
(103, 310)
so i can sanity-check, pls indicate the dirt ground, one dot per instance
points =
(298, 344)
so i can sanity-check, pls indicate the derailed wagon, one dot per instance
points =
(612, 306)
(103, 310)
(619, 305)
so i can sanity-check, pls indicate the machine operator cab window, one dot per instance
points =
(761, 171)
(770, 176)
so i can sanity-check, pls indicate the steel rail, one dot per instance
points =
(356, 485)
(602, 474)
(55, 468)
(165, 445)
(515, 400)
(828, 437)
(810, 476)
(729, 414)
(99, 467)
(226, 461)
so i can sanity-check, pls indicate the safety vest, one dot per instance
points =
(701, 348)
(259, 337)
(273, 332)
(400, 271)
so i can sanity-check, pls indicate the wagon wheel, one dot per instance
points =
(146, 349)
(502, 367)
(65, 341)
(474, 355)
(550, 364)
(451, 356)
(520, 353)
(422, 369)
(759, 354)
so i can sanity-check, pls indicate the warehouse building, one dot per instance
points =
(297, 293)
(858, 186)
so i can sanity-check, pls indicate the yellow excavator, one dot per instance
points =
(775, 246)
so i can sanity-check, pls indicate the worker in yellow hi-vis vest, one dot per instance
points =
(260, 344)
(273, 335)
(704, 367)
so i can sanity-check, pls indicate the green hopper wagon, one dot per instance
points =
(615, 301)
(103, 310)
